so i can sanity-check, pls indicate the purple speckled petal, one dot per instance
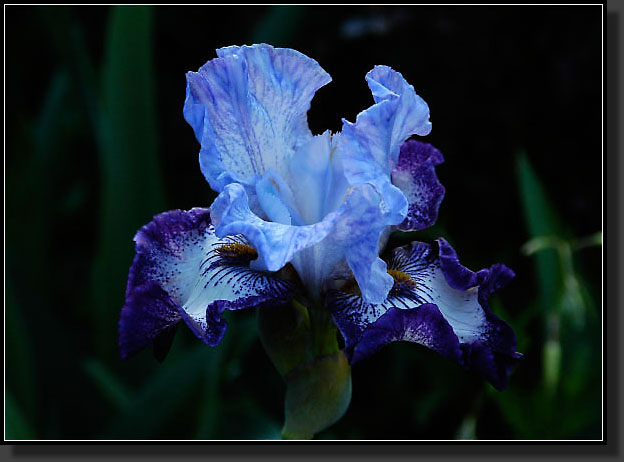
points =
(496, 355)
(148, 313)
(458, 276)
(415, 175)
(181, 270)
(487, 343)
(424, 325)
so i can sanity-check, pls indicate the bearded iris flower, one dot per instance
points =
(307, 217)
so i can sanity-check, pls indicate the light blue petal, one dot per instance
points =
(410, 114)
(348, 235)
(248, 109)
(276, 243)
(353, 241)
(278, 201)
(358, 233)
(312, 171)
(269, 195)
(370, 146)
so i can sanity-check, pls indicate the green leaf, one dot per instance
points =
(161, 395)
(209, 407)
(318, 394)
(541, 221)
(286, 335)
(131, 188)
(110, 385)
(589, 241)
(551, 357)
(16, 425)
(67, 35)
(565, 397)
(467, 429)
(20, 358)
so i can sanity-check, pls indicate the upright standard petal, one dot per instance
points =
(319, 186)
(182, 271)
(248, 108)
(415, 175)
(440, 305)
(370, 146)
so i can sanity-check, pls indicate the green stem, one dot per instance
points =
(324, 333)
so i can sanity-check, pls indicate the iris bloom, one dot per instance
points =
(307, 216)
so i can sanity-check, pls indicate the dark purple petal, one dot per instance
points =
(216, 325)
(458, 276)
(499, 276)
(183, 271)
(148, 313)
(424, 324)
(431, 276)
(489, 363)
(494, 354)
(152, 305)
(415, 175)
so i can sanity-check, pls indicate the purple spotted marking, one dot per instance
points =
(182, 271)
(443, 306)
(415, 175)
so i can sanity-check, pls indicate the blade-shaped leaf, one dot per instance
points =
(161, 395)
(541, 221)
(131, 189)
(110, 386)
(16, 425)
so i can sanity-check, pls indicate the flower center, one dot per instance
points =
(237, 251)
(402, 281)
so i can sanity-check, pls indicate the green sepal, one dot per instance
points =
(286, 335)
(318, 394)
(302, 344)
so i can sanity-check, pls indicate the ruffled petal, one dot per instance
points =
(483, 342)
(398, 113)
(355, 239)
(370, 146)
(276, 243)
(414, 174)
(458, 276)
(350, 234)
(248, 109)
(182, 271)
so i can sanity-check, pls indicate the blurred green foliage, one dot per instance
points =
(567, 398)
(69, 246)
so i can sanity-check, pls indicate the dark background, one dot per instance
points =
(96, 144)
